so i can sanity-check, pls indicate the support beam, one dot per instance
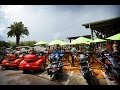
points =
(91, 32)
(70, 40)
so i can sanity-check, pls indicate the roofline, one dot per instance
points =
(78, 36)
(100, 21)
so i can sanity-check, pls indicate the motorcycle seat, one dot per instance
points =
(85, 71)
(116, 67)
(82, 62)
(54, 62)
(84, 67)
(116, 57)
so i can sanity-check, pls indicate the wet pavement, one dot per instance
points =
(70, 76)
(12, 77)
(17, 77)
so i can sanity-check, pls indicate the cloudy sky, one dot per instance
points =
(49, 22)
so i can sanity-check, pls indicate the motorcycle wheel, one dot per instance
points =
(117, 79)
(61, 70)
(88, 78)
(55, 77)
(108, 73)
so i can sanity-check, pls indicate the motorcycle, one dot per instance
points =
(116, 55)
(111, 64)
(56, 66)
(84, 67)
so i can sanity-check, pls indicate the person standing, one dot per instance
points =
(73, 54)
(109, 47)
(114, 46)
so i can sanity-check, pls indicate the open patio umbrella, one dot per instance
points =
(81, 40)
(87, 43)
(114, 37)
(97, 40)
(56, 42)
(41, 43)
(65, 43)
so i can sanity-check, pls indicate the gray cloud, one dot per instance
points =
(1, 37)
(3, 25)
(47, 22)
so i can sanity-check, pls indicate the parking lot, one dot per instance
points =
(70, 76)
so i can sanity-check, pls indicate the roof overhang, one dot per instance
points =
(107, 27)
(87, 36)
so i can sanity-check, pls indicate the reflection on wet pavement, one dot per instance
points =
(11, 77)
(71, 76)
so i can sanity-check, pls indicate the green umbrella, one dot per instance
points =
(41, 43)
(80, 40)
(64, 43)
(56, 42)
(88, 43)
(97, 40)
(114, 37)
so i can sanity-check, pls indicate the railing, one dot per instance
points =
(68, 57)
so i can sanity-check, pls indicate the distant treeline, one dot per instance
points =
(4, 44)
(13, 44)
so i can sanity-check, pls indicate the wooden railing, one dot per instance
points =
(68, 57)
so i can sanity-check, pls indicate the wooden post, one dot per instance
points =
(70, 40)
(91, 33)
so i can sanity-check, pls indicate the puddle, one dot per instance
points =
(11, 74)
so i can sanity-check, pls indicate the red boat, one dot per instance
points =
(11, 61)
(32, 62)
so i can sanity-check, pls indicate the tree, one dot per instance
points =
(17, 30)
(28, 43)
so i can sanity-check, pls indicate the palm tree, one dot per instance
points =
(17, 30)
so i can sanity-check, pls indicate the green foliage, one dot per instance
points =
(23, 43)
(27, 43)
(4, 44)
(12, 44)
